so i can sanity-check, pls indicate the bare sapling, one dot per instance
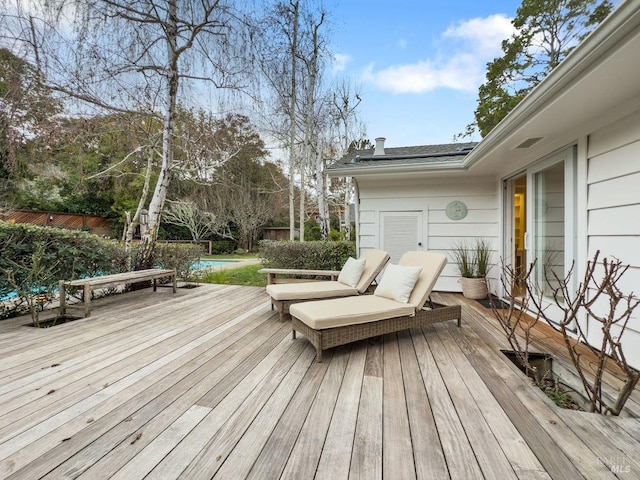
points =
(598, 299)
(33, 281)
(514, 320)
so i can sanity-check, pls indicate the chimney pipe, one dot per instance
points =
(379, 150)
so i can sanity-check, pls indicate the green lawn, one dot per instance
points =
(247, 276)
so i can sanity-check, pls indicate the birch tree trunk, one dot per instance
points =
(292, 123)
(323, 204)
(345, 108)
(311, 135)
(145, 254)
(133, 222)
(301, 204)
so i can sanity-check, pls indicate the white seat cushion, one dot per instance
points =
(339, 312)
(306, 290)
(352, 271)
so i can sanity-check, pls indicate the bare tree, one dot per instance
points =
(597, 299)
(312, 114)
(517, 321)
(278, 53)
(293, 49)
(201, 224)
(251, 208)
(345, 103)
(606, 306)
(124, 55)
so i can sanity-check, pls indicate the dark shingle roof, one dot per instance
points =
(397, 156)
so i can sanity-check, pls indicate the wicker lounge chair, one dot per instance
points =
(329, 323)
(283, 295)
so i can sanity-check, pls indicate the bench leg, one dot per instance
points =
(175, 283)
(63, 298)
(87, 299)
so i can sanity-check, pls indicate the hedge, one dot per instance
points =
(181, 256)
(36, 258)
(315, 255)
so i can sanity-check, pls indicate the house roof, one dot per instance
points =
(447, 154)
(595, 85)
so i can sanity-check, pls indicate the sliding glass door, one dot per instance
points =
(549, 226)
(540, 221)
(552, 223)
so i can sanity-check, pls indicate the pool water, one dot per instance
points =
(211, 263)
(200, 265)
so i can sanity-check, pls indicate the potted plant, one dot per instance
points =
(473, 264)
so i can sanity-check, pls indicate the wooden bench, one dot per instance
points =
(107, 281)
(273, 273)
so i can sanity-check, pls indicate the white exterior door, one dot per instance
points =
(400, 232)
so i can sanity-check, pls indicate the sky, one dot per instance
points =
(418, 63)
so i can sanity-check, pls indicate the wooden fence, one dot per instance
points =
(71, 221)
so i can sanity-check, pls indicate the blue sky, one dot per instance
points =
(418, 63)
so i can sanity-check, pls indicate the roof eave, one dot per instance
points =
(601, 41)
(357, 171)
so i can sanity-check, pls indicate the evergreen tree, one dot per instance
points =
(546, 32)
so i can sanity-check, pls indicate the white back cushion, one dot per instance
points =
(397, 282)
(352, 271)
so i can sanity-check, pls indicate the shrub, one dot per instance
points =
(317, 255)
(222, 246)
(181, 256)
(77, 253)
(62, 254)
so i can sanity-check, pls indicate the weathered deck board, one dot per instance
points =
(397, 442)
(537, 420)
(278, 446)
(458, 452)
(127, 401)
(366, 456)
(335, 458)
(304, 457)
(485, 440)
(523, 461)
(208, 383)
(427, 453)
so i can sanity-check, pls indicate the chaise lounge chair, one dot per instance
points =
(283, 295)
(397, 304)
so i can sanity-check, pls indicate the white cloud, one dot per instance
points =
(484, 35)
(340, 61)
(459, 64)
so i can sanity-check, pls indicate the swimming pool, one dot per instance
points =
(199, 265)
(202, 264)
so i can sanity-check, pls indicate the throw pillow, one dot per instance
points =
(397, 282)
(352, 271)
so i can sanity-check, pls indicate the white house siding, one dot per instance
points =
(613, 208)
(431, 197)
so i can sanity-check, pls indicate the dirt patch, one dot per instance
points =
(563, 395)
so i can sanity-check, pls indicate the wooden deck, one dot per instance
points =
(207, 383)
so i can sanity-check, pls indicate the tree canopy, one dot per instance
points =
(546, 32)
(133, 91)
